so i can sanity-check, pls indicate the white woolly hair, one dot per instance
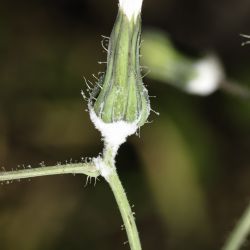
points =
(115, 133)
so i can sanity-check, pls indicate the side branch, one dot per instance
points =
(88, 169)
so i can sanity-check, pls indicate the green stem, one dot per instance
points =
(75, 168)
(126, 212)
(122, 200)
(240, 233)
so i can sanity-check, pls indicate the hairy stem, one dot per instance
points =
(122, 200)
(75, 168)
(238, 236)
(126, 212)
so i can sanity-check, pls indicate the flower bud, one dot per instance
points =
(120, 94)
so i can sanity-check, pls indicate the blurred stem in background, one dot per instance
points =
(239, 235)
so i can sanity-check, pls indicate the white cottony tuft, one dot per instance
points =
(105, 170)
(114, 134)
(209, 75)
(131, 7)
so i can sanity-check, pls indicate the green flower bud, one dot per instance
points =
(120, 94)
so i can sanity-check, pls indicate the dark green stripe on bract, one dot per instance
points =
(123, 96)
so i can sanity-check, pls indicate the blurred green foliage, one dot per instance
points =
(188, 173)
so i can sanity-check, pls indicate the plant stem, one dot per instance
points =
(240, 233)
(126, 212)
(75, 168)
(121, 199)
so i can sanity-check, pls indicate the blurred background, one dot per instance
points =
(188, 173)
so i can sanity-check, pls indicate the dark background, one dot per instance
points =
(188, 173)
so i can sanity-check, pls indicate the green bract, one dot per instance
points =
(121, 95)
